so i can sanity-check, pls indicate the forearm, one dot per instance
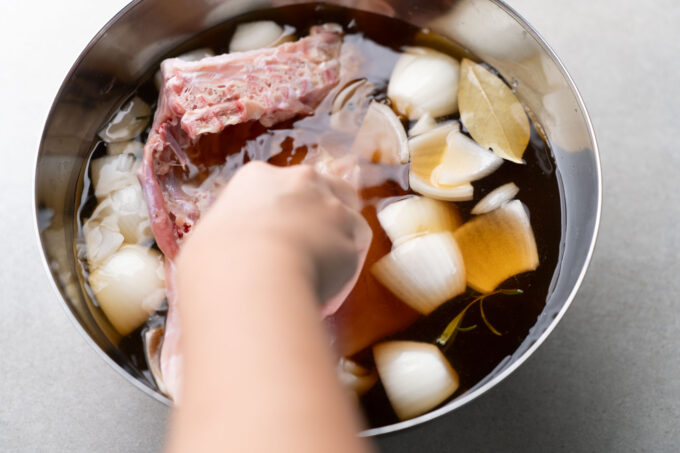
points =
(268, 383)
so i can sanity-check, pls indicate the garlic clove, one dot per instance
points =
(416, 376)
(496, 198)
(424, 272)
(416, 216)
(424, 81)
(497, 246)
(260, 34)
(129, 286)
(128, 122)
(381, 138)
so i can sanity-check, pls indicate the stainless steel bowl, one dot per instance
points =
(135, 40)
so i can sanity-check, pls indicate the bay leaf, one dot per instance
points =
(492, 113)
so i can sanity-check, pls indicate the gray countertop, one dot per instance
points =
(605, 380)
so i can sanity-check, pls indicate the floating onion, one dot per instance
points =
(496, 246)
(416, 376)
(424, 272)
(416, 216)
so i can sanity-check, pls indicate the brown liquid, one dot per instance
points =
(475, 353)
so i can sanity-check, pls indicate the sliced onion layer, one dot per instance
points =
(463, 192)
(463, 161)
(496, 198)
(258, 35)
(424, 81)
(381, 138)
(416, 376)
(129, 286)
(427, 150)
(424, 272)
(355, 377)
(425, 124)
(444, 157)
(128, 123)
(497, 245)
(416, 216)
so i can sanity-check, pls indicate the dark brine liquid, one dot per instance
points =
(379, 41)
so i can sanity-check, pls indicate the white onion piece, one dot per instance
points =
(426, 152)
(424, 272)
(496, 246)
(260, 34)
(463, 161)
(463, 192)
(381, 138)
(496, 198)
(350, 105)
(102, 238)
(435, 138)
(415, 216)
(129, 286)
(133, 147)
(129, 206)
(424, 81)
(128, 123)
(416, 376)
(193, 55)
(425, 124)
(125, 212)
(355, 377)
(111, 173)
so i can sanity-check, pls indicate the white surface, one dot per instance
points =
(606, 379)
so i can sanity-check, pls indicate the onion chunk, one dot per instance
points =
(381, 138)
(111, 173)
(350, 106)
(497, 245)
(416, 376)
(258, 35)
(427, 154)
(129, 286)
(416, 216)
(423, 272)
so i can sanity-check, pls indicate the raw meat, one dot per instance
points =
(205, 96)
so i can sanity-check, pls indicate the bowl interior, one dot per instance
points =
(124, 52)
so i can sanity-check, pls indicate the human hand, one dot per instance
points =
(310, 222)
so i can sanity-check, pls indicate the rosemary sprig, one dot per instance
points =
(447, 336)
